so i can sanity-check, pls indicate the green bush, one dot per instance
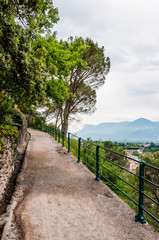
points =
(7, 130)
(38, 121)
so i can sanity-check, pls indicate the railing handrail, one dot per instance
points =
(59, 136)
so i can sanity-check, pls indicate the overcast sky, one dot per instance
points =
(129, 32)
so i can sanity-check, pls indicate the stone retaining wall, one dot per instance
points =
(11, 158)
(7, 163)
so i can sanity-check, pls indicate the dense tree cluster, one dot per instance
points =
(37, 70)
(22, 75)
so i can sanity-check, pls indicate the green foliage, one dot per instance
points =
(132, 145)
(22, 74)
(113, 156)
(136, 153)
(84, 72)
(6, 106)
(38, 121)
(51, 125)
(115, 174)
(152, 148)
(152, 174)
(156, 157)
(37, 15)
(35, 69)
(57, 91)
(121, 144)
(7, 130)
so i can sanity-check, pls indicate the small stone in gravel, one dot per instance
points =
(108, 194)
(11, 235)
(21, 183)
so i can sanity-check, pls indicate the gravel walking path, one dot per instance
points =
(58, 198)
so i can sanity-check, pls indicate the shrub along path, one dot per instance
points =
(59, 198)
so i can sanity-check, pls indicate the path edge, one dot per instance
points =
(10, 230)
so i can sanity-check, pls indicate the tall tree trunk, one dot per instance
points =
(65, 127)
(23, 128)
(57, 119)
(65, 117)
(30, 119)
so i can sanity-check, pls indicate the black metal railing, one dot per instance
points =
(130, 184)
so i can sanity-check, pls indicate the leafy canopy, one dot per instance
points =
(22, 75)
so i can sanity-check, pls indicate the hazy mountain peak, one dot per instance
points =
(141, 129)
(141, 122)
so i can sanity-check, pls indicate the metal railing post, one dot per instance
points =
(68, 142)
(59, 135)
(139, 216)
(97, 163)
(63, 140)
(79, 150)
(55, 133)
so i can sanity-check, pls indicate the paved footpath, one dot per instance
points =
(59, 198)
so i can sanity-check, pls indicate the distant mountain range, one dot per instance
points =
(140, 130)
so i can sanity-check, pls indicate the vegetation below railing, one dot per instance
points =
(139, 189)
